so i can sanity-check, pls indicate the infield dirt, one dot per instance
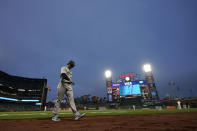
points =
(177, 121)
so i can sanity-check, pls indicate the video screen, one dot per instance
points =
(130, 90)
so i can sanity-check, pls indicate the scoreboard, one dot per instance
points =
(130, 90)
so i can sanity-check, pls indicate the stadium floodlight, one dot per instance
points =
(127, 78)
(108, 73)
(147, 68)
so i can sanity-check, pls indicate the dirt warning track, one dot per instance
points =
(177, 121)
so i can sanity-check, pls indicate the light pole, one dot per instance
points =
(148, 73)
(147, 68)
(108, 76)
(150, 80)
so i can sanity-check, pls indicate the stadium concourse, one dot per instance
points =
(22, 94)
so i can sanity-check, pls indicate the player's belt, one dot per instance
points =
(67, 82)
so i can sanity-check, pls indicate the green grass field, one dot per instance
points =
(48, 114)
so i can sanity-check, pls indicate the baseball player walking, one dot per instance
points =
(64, 87)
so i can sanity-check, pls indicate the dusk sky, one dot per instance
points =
(37, 37)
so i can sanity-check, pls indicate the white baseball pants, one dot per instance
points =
(64, 88)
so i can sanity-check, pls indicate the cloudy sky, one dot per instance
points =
(38, 37)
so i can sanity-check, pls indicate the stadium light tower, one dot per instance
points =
(147, 68)
(150, 80)
(108, 74)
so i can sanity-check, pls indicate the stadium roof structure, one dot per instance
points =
(20, 82)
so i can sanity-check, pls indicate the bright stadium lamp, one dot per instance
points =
(147, 68)
(127, 78)
(108, 73)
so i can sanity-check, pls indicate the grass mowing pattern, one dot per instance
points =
(48, 114)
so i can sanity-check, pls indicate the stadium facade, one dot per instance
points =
(22, 94)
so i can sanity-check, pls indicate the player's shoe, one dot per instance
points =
(55, 118)
(77, 117)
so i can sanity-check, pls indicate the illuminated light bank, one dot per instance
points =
(30, 100)
(12, 99)
(9, 99)
(38, 104)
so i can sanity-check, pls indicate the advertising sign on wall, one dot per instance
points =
(110, 98)
(129, 83)
(108, 83)
(109, 90)
(150, 79)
